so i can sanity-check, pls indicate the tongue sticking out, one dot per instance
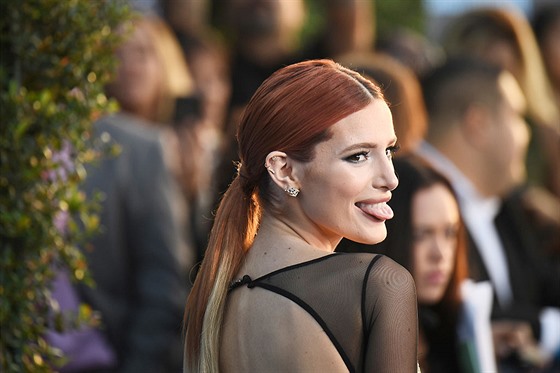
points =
(381, 211)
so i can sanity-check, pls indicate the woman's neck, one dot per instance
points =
(277, 246)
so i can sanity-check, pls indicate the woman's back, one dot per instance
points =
(331, 314)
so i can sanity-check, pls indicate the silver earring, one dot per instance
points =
(268, 167)
(292, 192)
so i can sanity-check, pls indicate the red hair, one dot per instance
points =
(291, 111)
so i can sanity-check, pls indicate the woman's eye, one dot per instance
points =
(420, 235)
(390, 151)
(451, 233)
(359, 157)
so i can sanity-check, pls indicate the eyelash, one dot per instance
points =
(390, 151)
(354, 157)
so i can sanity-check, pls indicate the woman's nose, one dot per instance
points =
(436, 248)
(392, 180)
(387, 178)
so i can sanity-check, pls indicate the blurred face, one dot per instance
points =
(351, 26)
(211, 77)
(265, 17)
(139, 76)
(508, 138)
(345, 188)
(435, 223)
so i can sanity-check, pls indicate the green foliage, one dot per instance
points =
(392, 14)
(56, 57)
(387, 16)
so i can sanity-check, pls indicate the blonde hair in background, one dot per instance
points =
(470, 33)
(177, 79)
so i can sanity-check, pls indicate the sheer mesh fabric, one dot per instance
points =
(365, 303)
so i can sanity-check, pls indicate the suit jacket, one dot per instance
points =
(140, 287)
(535, 280)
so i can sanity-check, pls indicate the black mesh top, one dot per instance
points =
(365, 303)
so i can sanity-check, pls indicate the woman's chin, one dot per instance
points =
(374, 237)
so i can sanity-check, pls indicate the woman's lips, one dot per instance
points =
(380, 210)
(435, 278)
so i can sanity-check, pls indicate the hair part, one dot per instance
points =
(401, 88)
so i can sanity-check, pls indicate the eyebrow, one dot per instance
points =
(366, 145)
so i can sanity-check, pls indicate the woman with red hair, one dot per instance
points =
(315, 147)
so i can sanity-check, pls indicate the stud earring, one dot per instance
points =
(292, 192)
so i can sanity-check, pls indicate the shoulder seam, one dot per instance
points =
(364, 292)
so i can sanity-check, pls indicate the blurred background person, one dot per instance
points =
(206, 53)
(427, 237)
(210, 74)
(546, 25)
(348, 26)
(138, 260)
(504, 37)
(189, 17)
(477, 137)
(263, 37)
(440, 13)
(151, 72)
(141, 258)
(201, 117)
(154, 84)
(411, 48)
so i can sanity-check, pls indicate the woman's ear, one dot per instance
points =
(279, 168)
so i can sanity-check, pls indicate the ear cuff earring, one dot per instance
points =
(292, 192)
(268, 167)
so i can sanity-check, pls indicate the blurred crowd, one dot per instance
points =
(475, 101)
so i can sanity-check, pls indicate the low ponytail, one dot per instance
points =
(232, 234)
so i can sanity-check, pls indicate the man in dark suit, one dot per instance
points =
(478, 138)
(139, 260)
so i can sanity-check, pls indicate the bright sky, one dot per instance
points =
(452, 7)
